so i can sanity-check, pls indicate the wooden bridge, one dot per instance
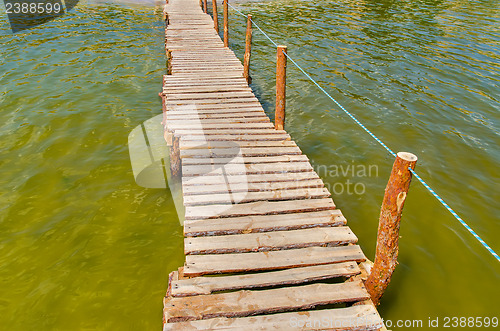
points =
(265, 247)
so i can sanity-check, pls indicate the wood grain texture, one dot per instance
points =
(207, 285)
(270, 241)
(197, 265)
(355, 318)
(266, 301)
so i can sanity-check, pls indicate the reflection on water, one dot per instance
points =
(83, 247)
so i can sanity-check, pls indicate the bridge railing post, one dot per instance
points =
(248, 50)
(279, 117)
(215, 15)
(388, 228)
(175, 157)
(205, 6)
(169, 62)
(226, 24)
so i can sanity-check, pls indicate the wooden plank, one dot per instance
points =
(207, 285)
(234, 110)
(276, 195)
(198, 132)
(197, 265)
(261, 116)
(265, 301)
(247, 159)
(263, 223)
(237, 137)
(270, 241)
(194, 121)
(242, 144)
(210, 95)
(249, 187)
(260, 178)
(204, 89)
(213, 126)
(258, 208)
(211, 104)
(242, 151)
(241, 169)
(360, 317)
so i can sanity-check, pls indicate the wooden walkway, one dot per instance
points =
(265, 247)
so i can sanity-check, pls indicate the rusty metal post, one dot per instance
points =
(388, 227)
(226, 24)
(248, 49)
(175, 158)
(215, 15)
(279, 118)
(205, 6)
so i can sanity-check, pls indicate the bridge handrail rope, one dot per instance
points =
(478, 238)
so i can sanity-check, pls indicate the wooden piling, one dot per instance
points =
(175, 158)
(279, 118)
(388, 229)
(215, 15)
(169, 62)
(248, 49)
(205, 4)
(226, 24)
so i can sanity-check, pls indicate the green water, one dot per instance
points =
(82, 247)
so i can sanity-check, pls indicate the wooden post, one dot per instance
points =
(388, 227)
(205, 6)
(169, 62)
(215, 15)
(279, 118)
(201, 4)
(226, 24)
(175, 158)
(248, 49)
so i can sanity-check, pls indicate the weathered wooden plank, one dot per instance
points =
(242, 102)
(197, 265)
(269, 241)
(266, 301)
(227, 121)
(275, 195)
(245, 160)
(210, 95)
(260, 178)
(249, 187)
(259, 208)
(234, 109)
(359, 317)
(207, 285)
(241, 169)
(242, 151)
(204, 89)
(263, 223)
(246, 144)
(260, 116)
(198, 132)
(237, 137)
(174, 125)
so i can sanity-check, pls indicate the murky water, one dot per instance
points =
(82, 247)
